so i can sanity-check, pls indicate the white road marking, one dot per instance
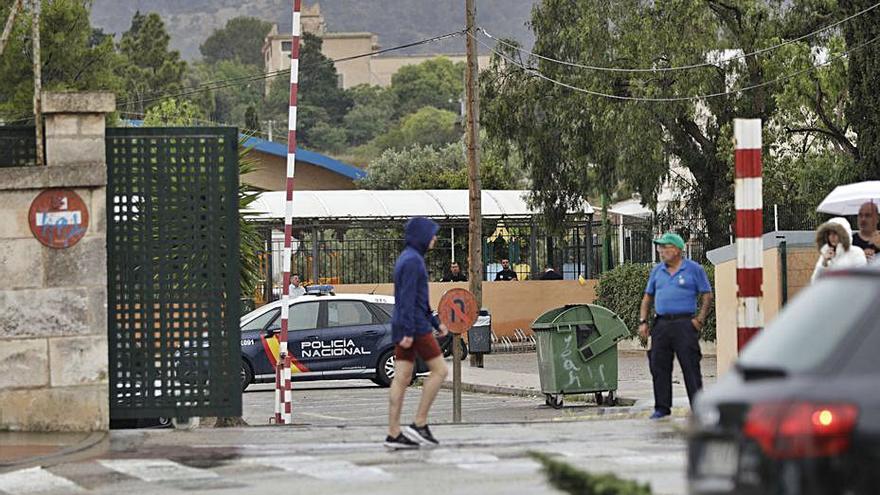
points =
(323, 416)
(35, 480)
(327, 470)
(156, 469)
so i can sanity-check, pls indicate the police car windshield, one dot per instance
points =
(810, 329)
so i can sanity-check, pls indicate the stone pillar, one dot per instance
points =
(53, 332)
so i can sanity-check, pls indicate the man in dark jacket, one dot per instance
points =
(412, 325)
(455, 274)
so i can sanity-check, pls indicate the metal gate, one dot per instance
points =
(172, 269)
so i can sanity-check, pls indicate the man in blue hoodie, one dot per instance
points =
(412, 327)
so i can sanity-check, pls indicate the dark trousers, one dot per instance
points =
(678, 338)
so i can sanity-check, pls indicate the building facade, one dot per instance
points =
(373, 70)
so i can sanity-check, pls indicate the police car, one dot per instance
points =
(330, 337)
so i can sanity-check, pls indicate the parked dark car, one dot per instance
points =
(800, 411)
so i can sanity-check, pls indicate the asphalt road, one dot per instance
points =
(360, 402)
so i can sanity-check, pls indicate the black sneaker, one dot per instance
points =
(421, 434)
(400, 442)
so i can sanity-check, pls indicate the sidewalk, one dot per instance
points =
(517, 374)
(24, 449)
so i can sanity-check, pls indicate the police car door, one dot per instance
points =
(302, 328)
(349, 337)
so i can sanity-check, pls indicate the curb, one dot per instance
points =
(94, 441)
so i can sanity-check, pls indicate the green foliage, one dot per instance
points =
(576, 145)
(250, 238)
(321, 104)
(226, 105)
(74, 56)
(429, 167)
(172, 113)
(569, 479)
(863, 107)
(428, 126)
(241, 41)
(437, 82)
(622, 288)
(371, 114)
(150, 68)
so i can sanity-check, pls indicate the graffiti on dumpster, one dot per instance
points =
(568, 364)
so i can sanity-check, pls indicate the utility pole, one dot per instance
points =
(475, 217)
(9, 23)
(38, 83)
(472, 140)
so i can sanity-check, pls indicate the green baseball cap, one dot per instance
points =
(670, 238)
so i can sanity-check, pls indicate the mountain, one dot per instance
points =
(396, 22)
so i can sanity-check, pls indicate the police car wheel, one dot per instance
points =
(385, 369)
(247, 376)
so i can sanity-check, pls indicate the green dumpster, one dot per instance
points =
(577, 352)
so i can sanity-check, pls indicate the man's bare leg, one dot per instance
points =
(430, 387)
(403, 371)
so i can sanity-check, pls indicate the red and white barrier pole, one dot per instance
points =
(749, 229)
(283, 403)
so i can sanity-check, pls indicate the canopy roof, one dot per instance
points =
(373, 205)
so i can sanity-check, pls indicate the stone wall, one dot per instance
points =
(53, 333)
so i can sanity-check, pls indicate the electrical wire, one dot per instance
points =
(225, 83)
(744, 89)
(682, 67)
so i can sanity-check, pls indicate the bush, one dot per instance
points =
(572, 480)
(622, 288)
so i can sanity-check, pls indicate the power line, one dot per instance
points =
(235, 81)
(678, 98)
(682, 67)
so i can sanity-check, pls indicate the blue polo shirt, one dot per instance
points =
(676, 293)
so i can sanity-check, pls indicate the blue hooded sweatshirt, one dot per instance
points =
(412, 312)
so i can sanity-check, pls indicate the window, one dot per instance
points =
(259, 322)
(348, 313)
(302, 316)
(812, 327)
(285, 46)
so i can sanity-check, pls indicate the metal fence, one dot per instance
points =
(365, 252)
(18, 146)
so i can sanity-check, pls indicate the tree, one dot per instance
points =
(172, 113)
(320, 99)
(430, 167)
(428, 126)
(437, 82)
(151, 70)
(863, 108)
(241, 40)
(229, 104)
(73, 56)
(370, 115)
(576, 144)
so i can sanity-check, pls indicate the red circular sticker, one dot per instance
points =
(58, 218)
(458, 310)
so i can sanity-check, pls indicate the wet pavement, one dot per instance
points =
(473, 458)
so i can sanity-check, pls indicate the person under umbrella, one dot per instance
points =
(834, 240)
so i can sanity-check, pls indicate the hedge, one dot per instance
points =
(622, 288)
(569, 479)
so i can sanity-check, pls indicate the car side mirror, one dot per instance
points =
(270, 332)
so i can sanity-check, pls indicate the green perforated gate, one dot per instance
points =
(172, 269)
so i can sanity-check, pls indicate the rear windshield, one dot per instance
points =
(811, 327)
(387, 308)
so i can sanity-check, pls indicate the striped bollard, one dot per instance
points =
(749, 229)
(284, 407)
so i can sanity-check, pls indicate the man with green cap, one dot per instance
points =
(673, 288)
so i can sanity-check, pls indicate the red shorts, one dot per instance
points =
(425, 346)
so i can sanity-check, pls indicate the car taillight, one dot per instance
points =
(787, 430)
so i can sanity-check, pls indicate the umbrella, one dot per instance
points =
(846, 200)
